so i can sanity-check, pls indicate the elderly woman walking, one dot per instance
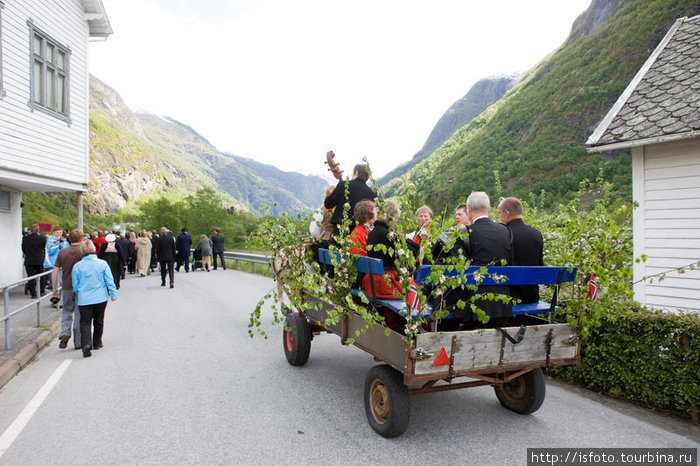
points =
(93, 285)
(143, 254)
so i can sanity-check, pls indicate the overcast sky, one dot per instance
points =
(283, 81)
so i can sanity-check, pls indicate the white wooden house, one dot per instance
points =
(658, 117)
(43, 107)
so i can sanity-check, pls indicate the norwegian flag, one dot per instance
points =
(413, 300)
(593, 288)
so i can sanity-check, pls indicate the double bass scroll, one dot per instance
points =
(333, 166)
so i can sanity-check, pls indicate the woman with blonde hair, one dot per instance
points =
(206, 246)
(142, 250)
(93, 284)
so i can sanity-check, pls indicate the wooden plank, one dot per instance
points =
(480, 349)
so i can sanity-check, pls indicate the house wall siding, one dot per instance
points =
(667, 223)
(33, 142)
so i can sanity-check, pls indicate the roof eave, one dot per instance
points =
(643, 142)
(610, 116)
(96, 17)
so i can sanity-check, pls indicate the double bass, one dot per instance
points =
(333, 166)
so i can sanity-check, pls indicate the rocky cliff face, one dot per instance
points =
(482, 94)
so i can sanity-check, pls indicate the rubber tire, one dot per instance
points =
(296, 341)
(387, 401)
(525, 394)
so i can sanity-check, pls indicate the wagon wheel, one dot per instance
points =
(525, 394)
(387, 401)
(297, 340)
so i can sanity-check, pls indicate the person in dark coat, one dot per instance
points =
(125, 245)
(166, 256)
(218, 248)
(357, 191)
(183, 244)
(154, 250)
(33, 247)
(112, 253)
(487, 243)
(528, 245)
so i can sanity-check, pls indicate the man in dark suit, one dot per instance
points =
(528, 245)
(183, 246)
(33, 247)
(357, 191)
(218, 247)
(166, 256)
(487, 243)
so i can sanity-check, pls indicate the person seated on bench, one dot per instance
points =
(424, 216)
(461, 222)
(527, 246)
(365, 213)
(375, 286)
(487, 243)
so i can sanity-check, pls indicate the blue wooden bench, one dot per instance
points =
(495, 275)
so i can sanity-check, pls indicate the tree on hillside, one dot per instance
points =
(161, 212)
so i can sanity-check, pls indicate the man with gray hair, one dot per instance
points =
(487, 243)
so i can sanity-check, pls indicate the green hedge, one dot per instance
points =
(652, 358)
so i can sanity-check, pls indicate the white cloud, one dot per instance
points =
(282, 82)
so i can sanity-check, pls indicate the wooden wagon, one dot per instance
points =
(509, 359)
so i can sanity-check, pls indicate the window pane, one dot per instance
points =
(61, 60)
(60, 94)
(49, 53)
(50, 89)
(37, 45)
(38, 82)
(4, 200)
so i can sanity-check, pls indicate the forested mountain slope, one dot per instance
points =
(482, 94)
(533, 137)
(140, 154)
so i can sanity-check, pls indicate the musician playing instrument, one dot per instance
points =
(357, 191)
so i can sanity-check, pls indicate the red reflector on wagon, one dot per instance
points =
(442, 359)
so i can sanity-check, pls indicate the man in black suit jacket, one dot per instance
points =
(487, 243)
(166, 256)
(33, 247)
(527, 246)
(357, 191)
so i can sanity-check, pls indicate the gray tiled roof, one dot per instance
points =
(664, 98)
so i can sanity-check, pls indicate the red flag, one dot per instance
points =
(593, 289)
(413, 300)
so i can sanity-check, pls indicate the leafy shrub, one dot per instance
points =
(648, 357)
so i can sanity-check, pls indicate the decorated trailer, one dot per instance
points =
(510, 359)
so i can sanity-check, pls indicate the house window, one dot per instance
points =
(49, 74)
(4, 201)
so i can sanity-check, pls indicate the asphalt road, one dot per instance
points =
(180, 382)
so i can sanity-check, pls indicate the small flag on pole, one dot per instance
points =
(413, 298)
(593, 288)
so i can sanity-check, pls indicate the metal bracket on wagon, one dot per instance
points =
(419, 354)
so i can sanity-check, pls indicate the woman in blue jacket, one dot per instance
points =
(93, 285)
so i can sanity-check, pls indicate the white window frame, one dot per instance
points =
(44, 96)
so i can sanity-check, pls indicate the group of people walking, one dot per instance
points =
(474, 236)
(87, 270)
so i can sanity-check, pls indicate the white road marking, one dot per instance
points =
(12, 432)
